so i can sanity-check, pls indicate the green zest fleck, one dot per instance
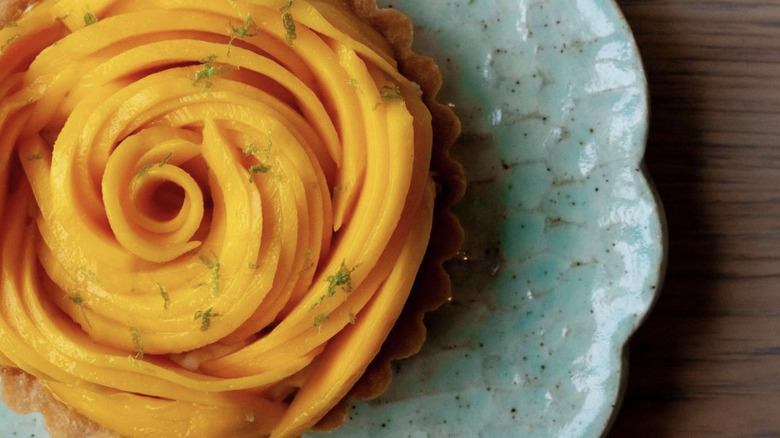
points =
(205, 318)
(165, 160)
(209, 70)
(253, 149)
(78, 300)
(258, 168)
(354, 83)
(320, 320)
(289, 23)
(390, 92)
(250, 149)
(145, 169)
(35, 156)
(166, 298)
(342, 278)
(241, 32)
(9, 24)
(308, 257)
(253, 266)
(138, 343)
(318, 302)
(250, 417)
(90, 19)
(213, 265)
(352, 318)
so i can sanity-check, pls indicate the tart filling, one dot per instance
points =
(213, 212)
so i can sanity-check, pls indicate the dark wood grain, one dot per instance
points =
(707, 361)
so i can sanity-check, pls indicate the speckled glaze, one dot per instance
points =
(565, 243)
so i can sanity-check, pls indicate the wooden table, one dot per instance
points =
(707, 360)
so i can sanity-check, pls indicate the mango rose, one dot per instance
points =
(213, 212)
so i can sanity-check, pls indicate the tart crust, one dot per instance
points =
(23, 393)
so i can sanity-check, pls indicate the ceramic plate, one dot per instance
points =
(565, 239)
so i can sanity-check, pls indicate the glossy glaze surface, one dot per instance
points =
(564, 249)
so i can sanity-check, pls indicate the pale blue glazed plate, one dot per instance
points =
(565, 248)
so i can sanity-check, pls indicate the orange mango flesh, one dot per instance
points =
(212, 211)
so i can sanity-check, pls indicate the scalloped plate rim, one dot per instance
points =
(659, 273)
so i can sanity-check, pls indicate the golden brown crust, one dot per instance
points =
(23, 393)
(11, 10)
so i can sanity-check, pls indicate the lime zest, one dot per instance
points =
(241, 32)
(90, 18)
(138, 343)
(288, 22)
(205, 317)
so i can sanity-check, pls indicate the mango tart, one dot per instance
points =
(214, 212)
